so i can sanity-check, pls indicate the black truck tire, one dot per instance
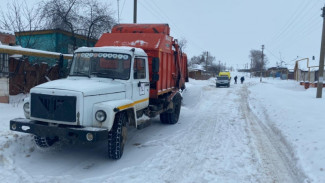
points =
(44, 142)
(171, 117)
(117, 136)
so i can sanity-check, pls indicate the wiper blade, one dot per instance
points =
(80, 74)
(105, 74)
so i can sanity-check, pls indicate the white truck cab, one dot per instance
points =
(102, 82)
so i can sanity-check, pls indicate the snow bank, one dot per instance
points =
(297, 116)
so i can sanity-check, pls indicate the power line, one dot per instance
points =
(122, 8)
(273, 54)
(306, 25)
(290, 21)
(294, 25)
(150, 7)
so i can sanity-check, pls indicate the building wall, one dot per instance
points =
(44, 42)
(52, 40)
(7, 38)
(4, 90)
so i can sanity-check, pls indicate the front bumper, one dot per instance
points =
(65, 132)
(223, 84)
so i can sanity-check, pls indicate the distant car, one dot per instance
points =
(223, 81)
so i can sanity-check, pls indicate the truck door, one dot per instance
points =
(140, 93)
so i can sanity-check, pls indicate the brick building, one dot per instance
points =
(6, 38)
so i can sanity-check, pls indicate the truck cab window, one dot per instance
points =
(106, 65)
(139, 68)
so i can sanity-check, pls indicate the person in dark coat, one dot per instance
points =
(235, 78)
(242, 79)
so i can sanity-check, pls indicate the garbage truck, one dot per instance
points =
(136, 70)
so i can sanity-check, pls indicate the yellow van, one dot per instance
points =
(225, 74)
(223, 79)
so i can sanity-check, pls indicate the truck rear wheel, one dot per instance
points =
(117, 136)
(44, 142)
(171, 117)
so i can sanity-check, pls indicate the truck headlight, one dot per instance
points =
(26, 108)
(100, 116)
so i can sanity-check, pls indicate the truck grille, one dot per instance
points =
(58, 108)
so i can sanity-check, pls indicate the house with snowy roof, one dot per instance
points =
(307, 70)
(278, 72)
(196, 71)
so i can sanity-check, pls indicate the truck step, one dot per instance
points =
(144, 124)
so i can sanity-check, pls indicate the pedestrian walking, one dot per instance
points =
(242, 79)
(235, 78)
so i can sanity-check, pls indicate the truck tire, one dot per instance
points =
(171, 117)
(44, 142)
(117, 136)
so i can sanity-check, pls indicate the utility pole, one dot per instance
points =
(135, 12)
(321, 61)
(262, 62)
(219, 66)
(118, 11)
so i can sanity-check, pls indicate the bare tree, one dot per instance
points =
(182, 43)
(62, 14)
(257, 63)
(20, 18)
(97, 18)
(197, 60)
(88, 18)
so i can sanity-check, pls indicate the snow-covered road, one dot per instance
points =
(217, 139)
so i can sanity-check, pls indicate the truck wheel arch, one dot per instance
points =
(112, 108)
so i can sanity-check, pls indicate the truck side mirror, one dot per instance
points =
(155, 64)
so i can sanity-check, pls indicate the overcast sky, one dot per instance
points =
(229, 29)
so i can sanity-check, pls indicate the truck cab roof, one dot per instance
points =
(115, 49)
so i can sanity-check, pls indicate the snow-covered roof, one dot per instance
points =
(291, 66)
(196, 67)
(7, 32)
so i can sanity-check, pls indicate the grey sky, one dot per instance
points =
(230, 29)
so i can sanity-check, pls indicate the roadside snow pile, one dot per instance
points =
(297, 116)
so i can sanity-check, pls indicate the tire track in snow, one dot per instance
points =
(211, 148)
(273, 155)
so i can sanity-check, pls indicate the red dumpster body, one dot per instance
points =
(155, 40)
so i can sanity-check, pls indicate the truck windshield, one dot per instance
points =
(107, 65)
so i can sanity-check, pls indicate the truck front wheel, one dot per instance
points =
(117, 136)
(44, 142)
(171, 117)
